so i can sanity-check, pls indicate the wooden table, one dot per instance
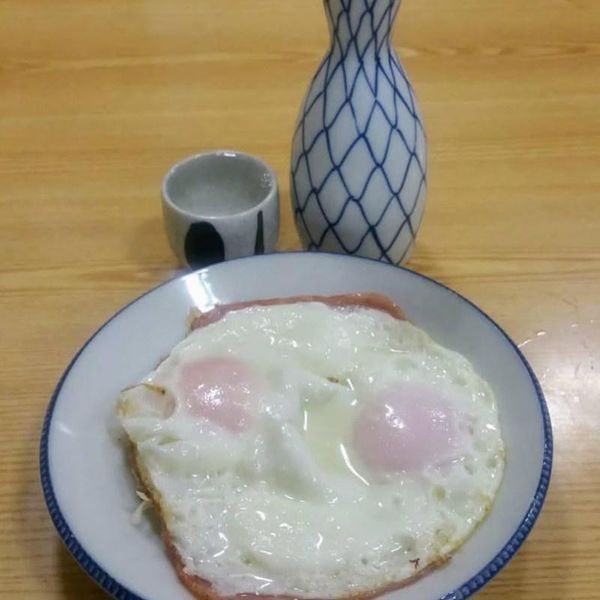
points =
(98, 98)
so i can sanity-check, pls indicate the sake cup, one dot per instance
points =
(220, 205)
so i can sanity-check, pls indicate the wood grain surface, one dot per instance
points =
(99, 97)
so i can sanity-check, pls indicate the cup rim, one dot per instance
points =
(268, 198)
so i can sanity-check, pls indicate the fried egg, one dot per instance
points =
(314, 451)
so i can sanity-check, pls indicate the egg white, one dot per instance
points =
(287, 506)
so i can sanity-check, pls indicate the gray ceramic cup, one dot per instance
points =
(220, 205)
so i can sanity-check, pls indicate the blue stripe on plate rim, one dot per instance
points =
(467, 589)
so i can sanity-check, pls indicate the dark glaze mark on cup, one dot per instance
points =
(203, 245)
(259, 244)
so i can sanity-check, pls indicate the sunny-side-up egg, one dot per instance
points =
(314, 452)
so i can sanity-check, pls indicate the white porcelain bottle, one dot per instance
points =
(358, 167)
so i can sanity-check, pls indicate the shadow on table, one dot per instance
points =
(76, 584)
(541, 568)
(148, 243)
(427, 261)
(42, 552)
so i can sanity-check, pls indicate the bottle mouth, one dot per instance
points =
(367, 26)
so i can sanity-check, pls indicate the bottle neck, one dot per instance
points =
(364, 24)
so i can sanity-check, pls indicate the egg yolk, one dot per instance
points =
(221, 390)
(405, 427)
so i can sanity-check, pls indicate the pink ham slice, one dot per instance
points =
(370, 300)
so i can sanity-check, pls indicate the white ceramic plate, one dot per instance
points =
(85, 478)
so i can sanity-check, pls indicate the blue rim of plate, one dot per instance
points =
(467, 589)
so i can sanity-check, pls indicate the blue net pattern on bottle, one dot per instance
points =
(358, 173)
